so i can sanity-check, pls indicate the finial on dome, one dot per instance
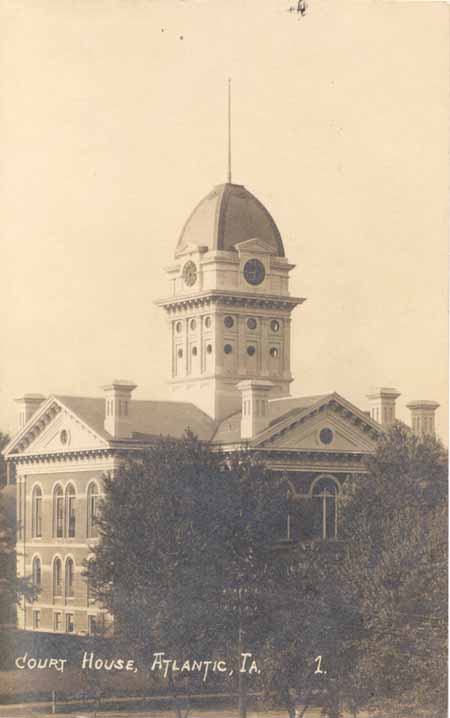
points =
(229, 130)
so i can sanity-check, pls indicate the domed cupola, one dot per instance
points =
(228, 304)
(227, 216)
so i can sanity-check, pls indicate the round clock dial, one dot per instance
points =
(190, 273)
(254, 271)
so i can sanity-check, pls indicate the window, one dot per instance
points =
(194, 351)
(252, 323)
(36, 522)
(275, 325)
(209, 348)
(70, 624)
(228, 348)
(251, 350)
(58, 512)
(36, 572)
(207, 322)
(325, 508)
(70, 508)
(178, 327)
(57, 577)
(273, 352)
(92, 501)
(92, 625)
(57, 621)
(193, 324)
(36, 619)
(180, 353)
(70, 574)
(229, 322)
(326, 436)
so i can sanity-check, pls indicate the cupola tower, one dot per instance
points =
(229, 306)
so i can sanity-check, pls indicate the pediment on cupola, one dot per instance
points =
(55, 428)
(333, 425)
(254, 246)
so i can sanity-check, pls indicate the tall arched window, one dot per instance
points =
(325, 508)
(70, 511)
(70, 576)
(57, 577)
(36, 572)
(92, 505)
(58, 512)
(36, 519)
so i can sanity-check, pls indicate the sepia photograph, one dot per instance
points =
(224, 367)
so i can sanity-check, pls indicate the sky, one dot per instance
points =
(113, 120)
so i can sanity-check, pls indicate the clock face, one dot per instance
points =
(254, 271)
(190, 274)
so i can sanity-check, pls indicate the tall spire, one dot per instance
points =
(229, 130)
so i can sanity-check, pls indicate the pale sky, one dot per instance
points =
(113, 123)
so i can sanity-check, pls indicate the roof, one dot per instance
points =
(148, 418)
(228, 215)
(229, 430)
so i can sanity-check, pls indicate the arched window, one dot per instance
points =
(92, 506)
(70, 575)
(36, 519)
(36, 572)
(58, 512)
(70, 511)
(325, 493)
(57, 577)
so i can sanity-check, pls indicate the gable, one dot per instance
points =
(55, 429)
(331, 425)
(254, 246)
(311, 435)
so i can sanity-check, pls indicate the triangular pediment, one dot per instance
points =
(254, 246)
(54, 428)
(328, 426)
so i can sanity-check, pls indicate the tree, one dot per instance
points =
(394, 574)
(184, 558)
(4, 440)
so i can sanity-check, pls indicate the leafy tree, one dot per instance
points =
(184, 558)
(394, 574)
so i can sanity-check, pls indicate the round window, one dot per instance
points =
(228, 348)
(207, 322)
(326, 436)
(193, 324)
(252, 323)
(275, 325)
(251, 350)
(228, 321)
(274, 352)
(254, 271)
(178, 327)
(194, 351)
(209, 348)
(64, 437)
(180, 353)
(190, 273)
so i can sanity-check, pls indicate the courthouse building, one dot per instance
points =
(229, 316)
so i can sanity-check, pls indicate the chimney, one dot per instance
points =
(117, 409)
(422, 416)
(28, 405)
(382, 405)
(255, 406)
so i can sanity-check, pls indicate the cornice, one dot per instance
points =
(230, 298)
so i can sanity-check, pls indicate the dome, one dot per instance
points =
(226, 216)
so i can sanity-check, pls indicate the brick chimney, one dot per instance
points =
(382, 405)
(117, 408)
(255, 406)
(28, 405)
(422, 416)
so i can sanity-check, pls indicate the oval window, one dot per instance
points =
(207, 322)
(178, 327)
(194, 351)
(326, 436)
(275, 325)
(228, 348)
(274, 352)
(252, 323)
(193, 324)
(209, 348)
(180, 353)
(229, 322)
(251, 350)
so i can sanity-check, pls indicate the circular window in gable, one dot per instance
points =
(326, 436)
